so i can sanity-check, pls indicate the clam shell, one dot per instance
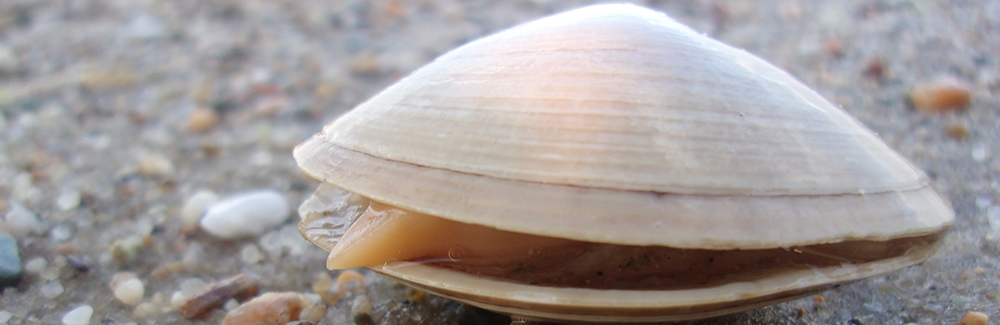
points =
(617, 124)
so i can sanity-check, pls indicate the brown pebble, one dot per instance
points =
(345, 287)
(873, 70)
(834, 46)
(67, 249)
(979, 270)
(956, 131)
(202, 120)
(239, 287)
(273, 308)
(974, 318)
(819, 299)
(415, 296)
(366, 63)
(944, 95)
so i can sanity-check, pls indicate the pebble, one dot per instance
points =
(11, 268)
(51, 289)
(9, 63)
(5, 316)
(156, 165)
(61, 232)
(202, 119)
(21, 222)
(127, 288)
(245, 215)
(145, 27)
(196, 205)
(946, 94)
(350, 282)
(35, 265)
(79, 316)
(128, 249)
(146, 310)
(275, 308)
(361, 305)
(68, 200)
(239, 287)
(250, 254)
(974, 318)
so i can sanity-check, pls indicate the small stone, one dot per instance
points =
(127, 288)
(9, 63)
(156, 165)
(272, 309)
(946, 94)
(239, 287)
(250, 254)
(177, 299)
(68, 200)
(21, 222)
(974, 318)
(350, 282)
(313, 313)
(993, 219)
(202, 119)
(128, 249)
(97, 81)
(5, 316)
(245, 215)
(51, 289)
(874, 70)
(79, 316)
(61, 232)
(979, 153)
(956, 131)
(11, 268)
(35, 265)
(145, 27)
(230, 305)
(361, 305)
(146, 310)
(192, 286)
(196, 205)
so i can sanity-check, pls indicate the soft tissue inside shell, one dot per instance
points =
(385, 234)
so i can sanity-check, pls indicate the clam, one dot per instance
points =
(609, 164)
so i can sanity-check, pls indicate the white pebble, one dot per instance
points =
(245, 215)
(21, 222)
(361, 304)
(51, 289)
(79, 316)
(980, 153)
(130, 292)
(192, 286)
(155, 164)
(250, 254)
(196, 205)
(35, 265)
(231, 304)
(61, 232)
(993, 219)
(145, 310)
(177, 299)
(5, 316)
(68, 200)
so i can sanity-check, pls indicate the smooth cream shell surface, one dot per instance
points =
(617, 124)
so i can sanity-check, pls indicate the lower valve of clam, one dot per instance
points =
(360, 232)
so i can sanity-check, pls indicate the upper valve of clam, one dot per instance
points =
(611, 165)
